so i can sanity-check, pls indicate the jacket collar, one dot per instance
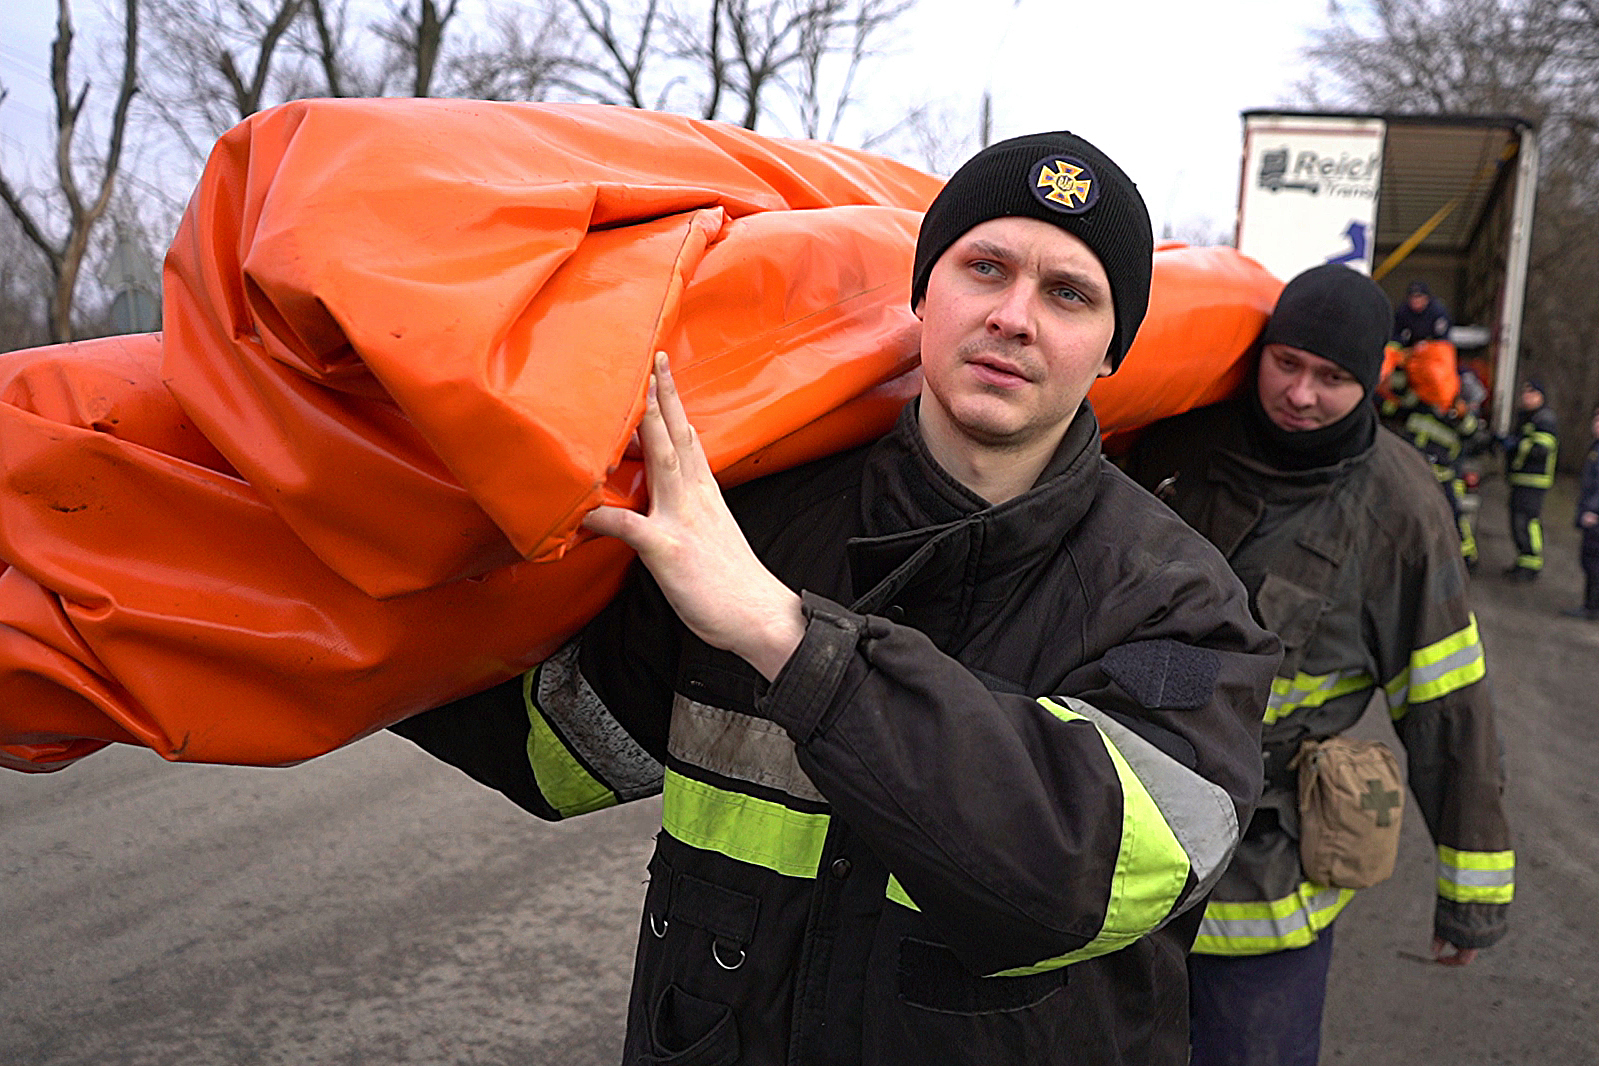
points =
(938, 551)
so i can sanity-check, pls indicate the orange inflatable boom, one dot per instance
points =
(406, 342)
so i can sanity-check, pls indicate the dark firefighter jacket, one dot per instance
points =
(1530, 457)
(1588, 485)
(1357, 567)
(967, 821)
(1430, 323)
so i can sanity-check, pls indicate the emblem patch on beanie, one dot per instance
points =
(1064, 184)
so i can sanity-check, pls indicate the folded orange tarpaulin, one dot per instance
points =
(1432, 368)
(405, 345)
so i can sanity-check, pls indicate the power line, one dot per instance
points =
(22, 64)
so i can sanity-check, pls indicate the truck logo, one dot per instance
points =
(1064, 184)
(1274, 173)
(1356, 253)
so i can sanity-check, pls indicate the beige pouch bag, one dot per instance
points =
(1350, 800)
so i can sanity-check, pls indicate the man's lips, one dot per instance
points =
(1296, 421)
(997, 372)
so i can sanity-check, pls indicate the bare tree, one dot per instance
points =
(415, 37)
(65, 254)
(620, 49)
(1438, 55)
(24, 290)
(729, 59)
(855, 38)
(327, 44)
(216, 63)
(525, 57)
(934, 138)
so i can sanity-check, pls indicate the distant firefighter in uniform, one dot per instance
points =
(1422, 317)
(1588, 523)
(1530, 468)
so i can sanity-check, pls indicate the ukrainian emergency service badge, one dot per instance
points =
(1064, 184)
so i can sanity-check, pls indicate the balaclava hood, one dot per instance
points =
(1337, 313)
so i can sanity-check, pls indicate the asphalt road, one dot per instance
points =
(374, 907)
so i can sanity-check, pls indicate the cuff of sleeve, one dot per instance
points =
(1470, 925)
(804, 688)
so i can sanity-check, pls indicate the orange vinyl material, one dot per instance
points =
(406, 344)
(1434, 373)
(1432, 369)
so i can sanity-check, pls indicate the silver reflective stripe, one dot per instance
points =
(1200, 812)
(568, 703)
(1307, 690)
(1268, 928)
(1431, 673)
(739, 746)
(1476, 878)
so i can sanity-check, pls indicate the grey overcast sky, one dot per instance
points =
(1157, 84)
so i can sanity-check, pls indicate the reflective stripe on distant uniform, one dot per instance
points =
(1433, 672)
(1476, 876)
(1261, 928)
(1541, 476)
(1438, 669)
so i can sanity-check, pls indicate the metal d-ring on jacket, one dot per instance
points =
(968, 820)
(1369, 599)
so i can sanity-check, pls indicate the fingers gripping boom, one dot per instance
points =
(693, 547)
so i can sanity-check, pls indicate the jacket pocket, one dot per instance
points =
(931, 978)
(686, 1030)
(923, 1005)
(1292, 612)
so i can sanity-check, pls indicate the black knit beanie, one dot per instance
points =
(1337, 313)
(1061, 179)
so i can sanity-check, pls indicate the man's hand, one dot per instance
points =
(1446, 954)
(694, 548)
(1589, 519)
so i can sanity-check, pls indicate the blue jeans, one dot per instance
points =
(1258, 1010)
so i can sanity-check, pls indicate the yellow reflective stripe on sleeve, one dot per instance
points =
(565, 784)
(1151, 866)
(1302, 691)
(1447, 665)
(743, 827)
(1262, 928)
(1476, 876)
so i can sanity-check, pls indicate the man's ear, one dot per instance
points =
(1107, 368)
(919, 306)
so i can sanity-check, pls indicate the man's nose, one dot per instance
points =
(1301, 390)
(1013, 314)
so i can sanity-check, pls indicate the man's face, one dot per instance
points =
(1301, 391)
(1016, 323)
(1531, 398)
(1419, 302)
